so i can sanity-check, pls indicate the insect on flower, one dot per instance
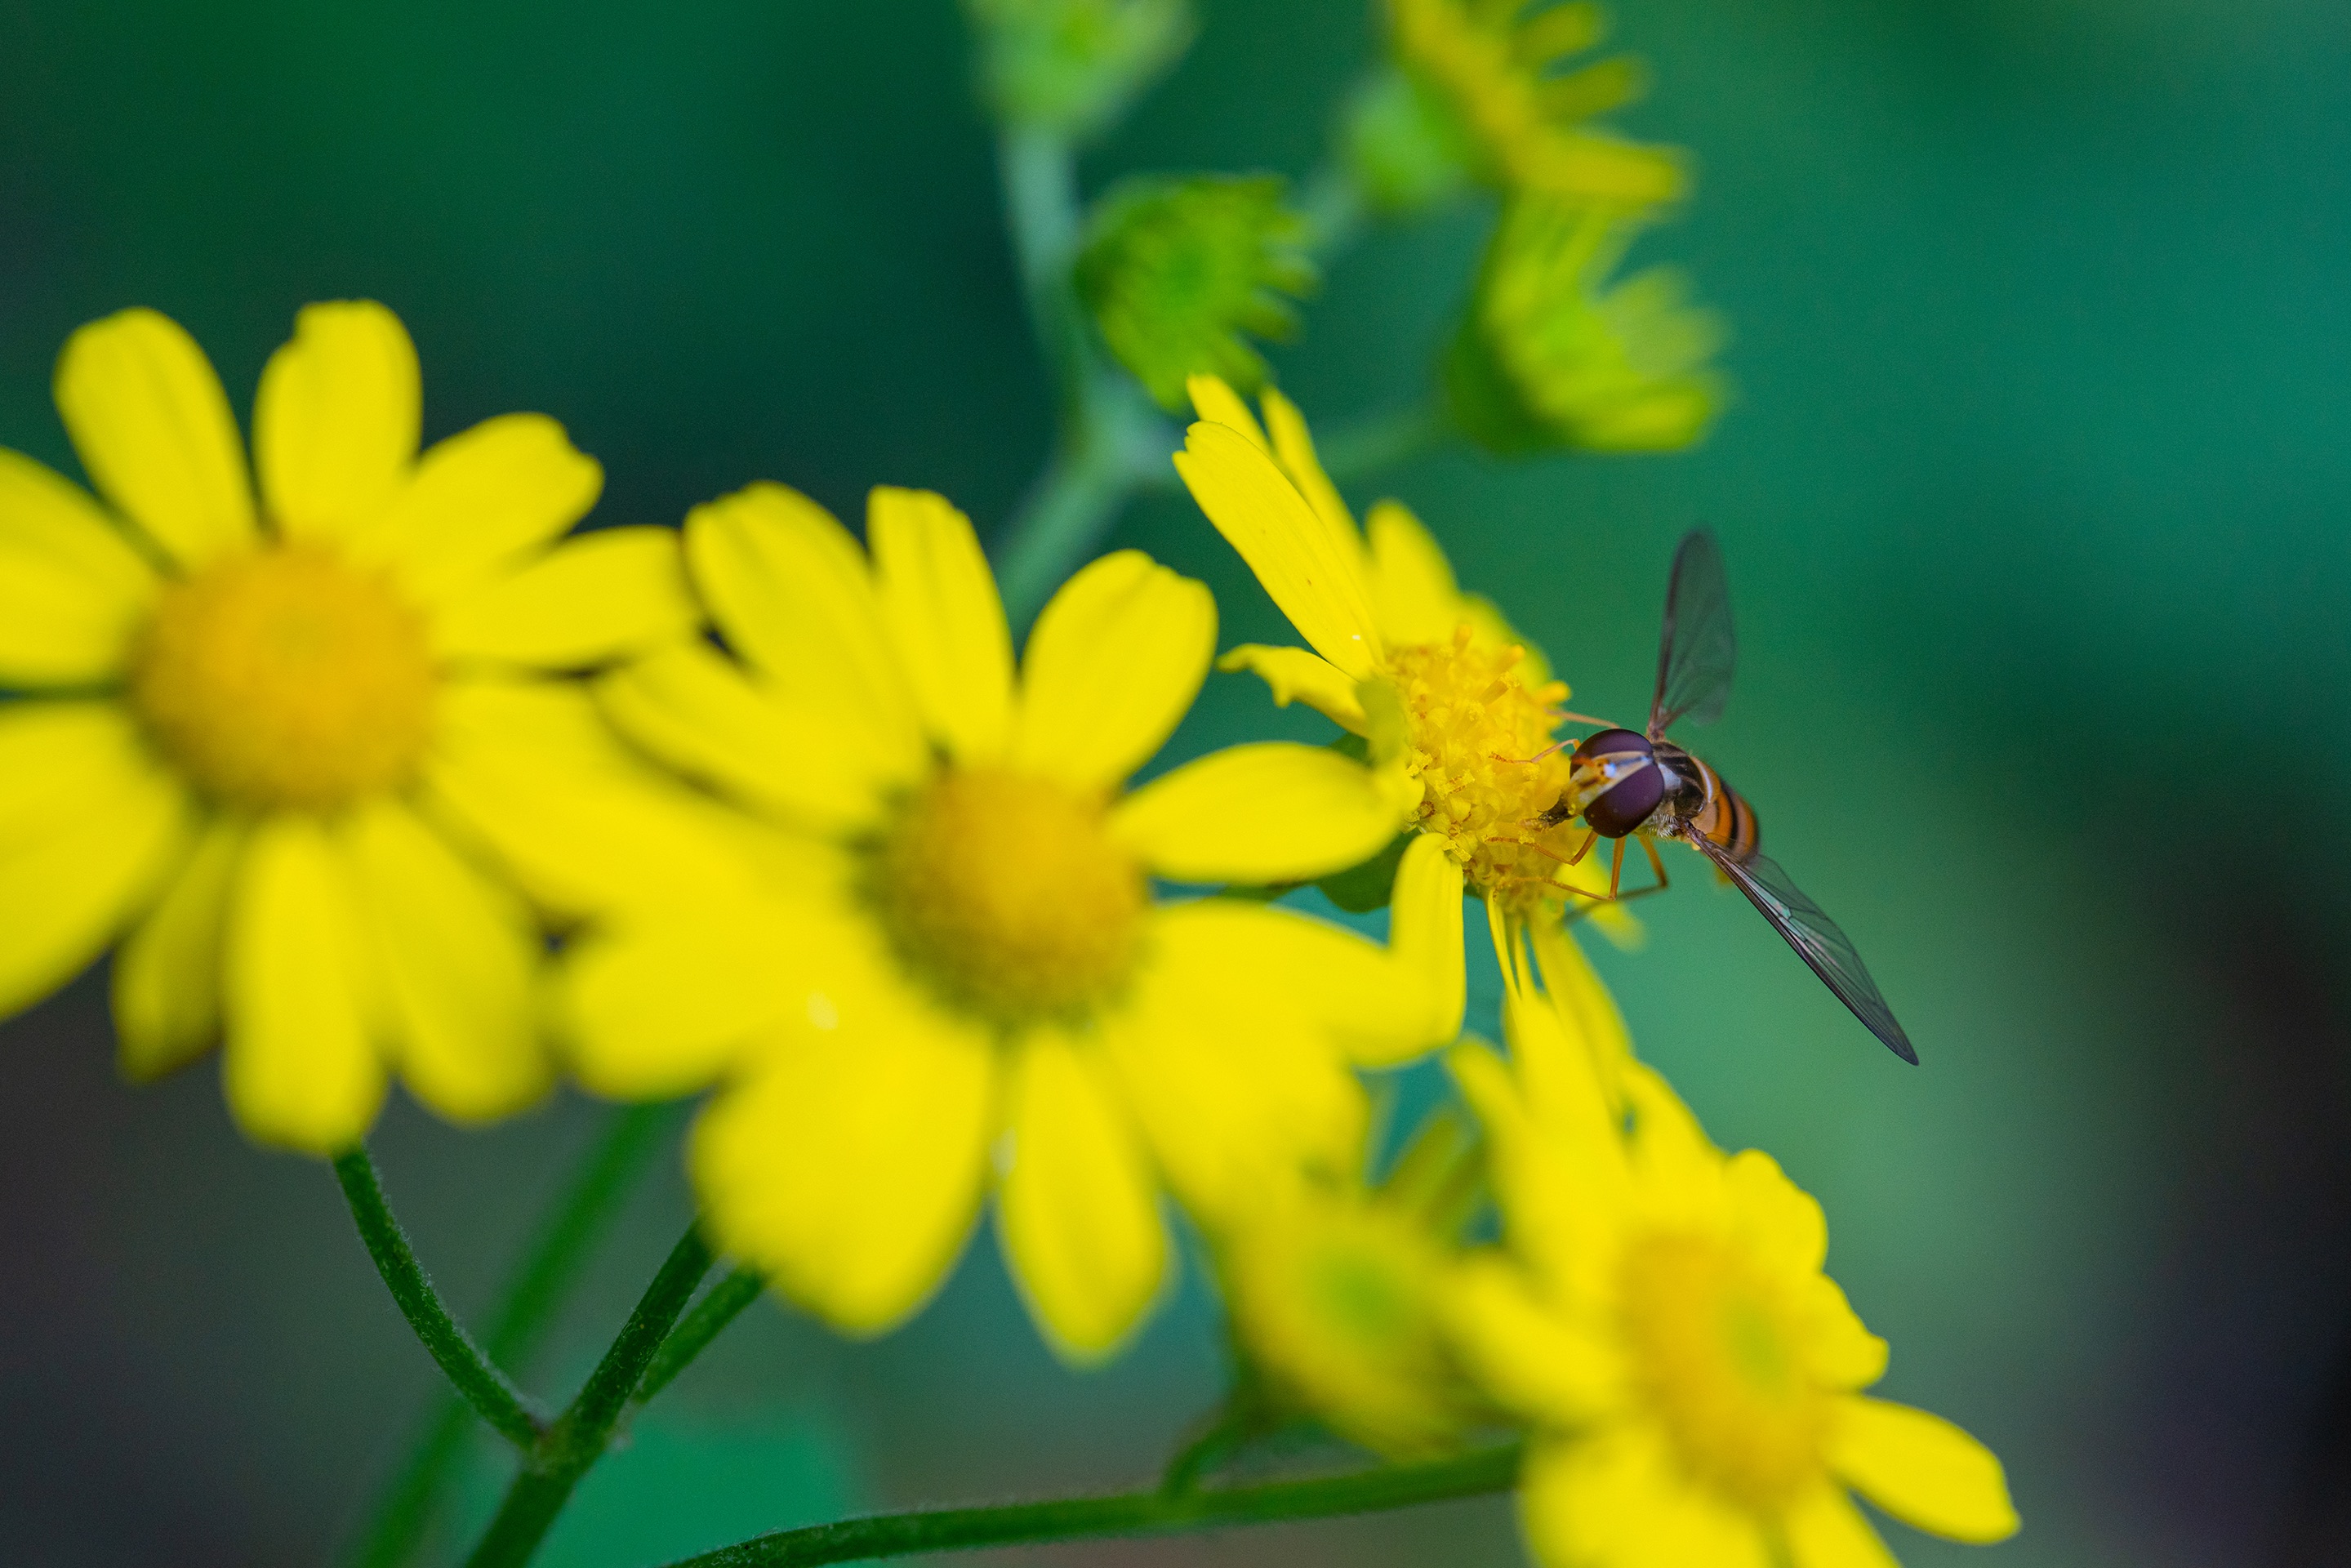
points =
(1638, 784)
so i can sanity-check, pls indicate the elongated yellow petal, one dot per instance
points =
(73, 591)
(1293, 447)
(153, 429)
(460, 957)
(848, 1171)
(1270, 811)
(1078, 1210)
(1585, 1007)
(1413, 591)
(1921, 1469)
(1111, 669)
(1526, 1353)
(940, 605)
(1619, 1497)
(1424, 926)
(1296, 675)
(1218, 404)
(1825, 1530)
(699, 712)
(1285, 542)
(791, 593)
(167, 976)
(477, 502)
(587, 601)
(301, 1065)
(337, 421)
(1378, 1010)
(90, 827)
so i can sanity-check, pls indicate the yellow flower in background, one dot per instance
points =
(1662, 1322)
(955, 974)
(1458, 710)
(1493, 65)
(286, 744)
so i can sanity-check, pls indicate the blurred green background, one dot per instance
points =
(2034, 499)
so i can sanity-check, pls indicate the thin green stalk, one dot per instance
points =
(566, 1235)
(483, 1386)
(571, 1446)
(1133, 1513)
(708, 1319)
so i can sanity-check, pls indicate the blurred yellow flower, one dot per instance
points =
(953, 972)
(1662, 1322)
(1493, 65)
(1456, 709)
(304, 750)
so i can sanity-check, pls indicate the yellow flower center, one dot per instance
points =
(1721, 1363)
(1008, 896)
(285, 679)
(1477, 736)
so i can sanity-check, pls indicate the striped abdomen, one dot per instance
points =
(1710, 808)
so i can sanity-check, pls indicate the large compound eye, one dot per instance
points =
(1618, 779)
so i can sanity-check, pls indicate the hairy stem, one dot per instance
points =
(482, 1385)
(578, 1438)
(708, 1319)
(1133, 1513)
(567, 1236)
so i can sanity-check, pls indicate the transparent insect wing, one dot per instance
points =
(1697, 651)
(1816, 939)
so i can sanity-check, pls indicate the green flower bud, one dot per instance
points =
(1406, 149)
(1176, 268)
(1072, 65)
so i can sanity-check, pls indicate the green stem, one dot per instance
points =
(571, 1446)
(483, 1386)
(566, 1237)
(1133, 1513)
(709, 1317)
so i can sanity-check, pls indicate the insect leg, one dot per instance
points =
(1616, 869)
(1585, 848)
(1657, 864)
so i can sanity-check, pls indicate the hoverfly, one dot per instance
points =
(1633, 784)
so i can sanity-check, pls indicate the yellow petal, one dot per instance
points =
(592, 600)
(1218, 404)
(1378, 1010)
(791, 594)
(939, 604)
(1617, 1497)
(90, 827)
(1293, 446)
(1921, 1469)
(460, 957)
(849, 1170)
(1078, 1211)
(302, 1066)
(1585, 1008)
(335, 423)
(697, 711)
(1525, 1354)
(1285, 542)
(1413, 588)
(1425, 927)
(73, 592)
(1111, 668)
(1270, 811)
(1296, 675)
(1825, 1530)
(153, 429)
(477, 501)
(167, 976)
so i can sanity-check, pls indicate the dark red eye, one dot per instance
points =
(1624, 756)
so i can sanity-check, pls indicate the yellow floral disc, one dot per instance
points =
(284, 678)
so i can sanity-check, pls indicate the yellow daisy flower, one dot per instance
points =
(283, 743)
(954, 973)
(1493, 65)
(1693, 1378)
(1457, 709)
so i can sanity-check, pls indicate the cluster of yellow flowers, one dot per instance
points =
(371, 767)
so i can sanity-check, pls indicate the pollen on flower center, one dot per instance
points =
(1721, 1363)
(1477, 735)
(285, 678)
(1008, 895)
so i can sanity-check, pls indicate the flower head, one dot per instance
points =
(1070, 67)
(1662, 1322)
(304, 749)
(953, 974)
(1176, 270)
(1553, 355)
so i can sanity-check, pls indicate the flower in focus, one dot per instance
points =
(955, 974)
(1071, 67)
(1553, 355)
(305, 751)
(1176, 270)
(1494, 70)
(1456, 710)
(1662, 1322)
